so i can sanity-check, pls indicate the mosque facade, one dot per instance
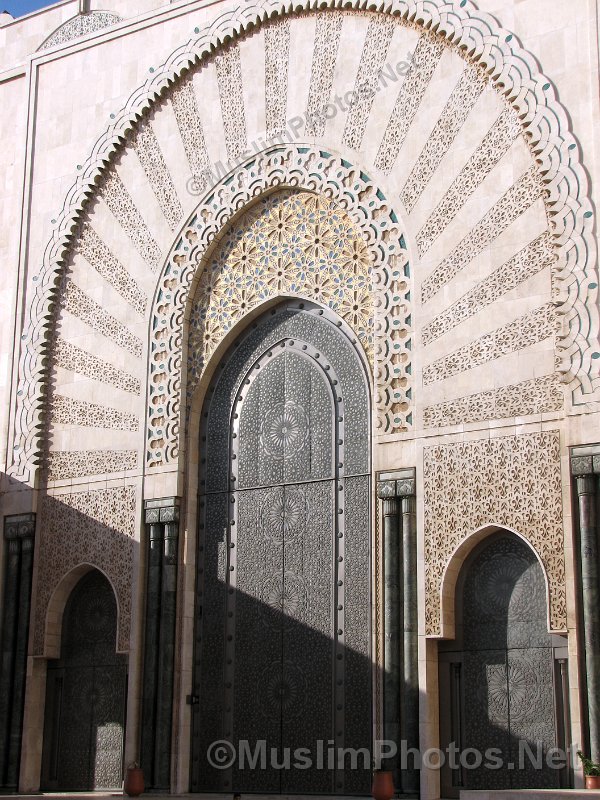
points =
(300, 395)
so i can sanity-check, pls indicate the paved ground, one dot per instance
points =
(152, 796)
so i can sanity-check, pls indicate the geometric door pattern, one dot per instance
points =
(85, 695)
(282, 635)
(508, 666)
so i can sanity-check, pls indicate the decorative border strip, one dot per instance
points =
(531, 259)
(69, 411)
(99, 256)
(515, 201)
(325, 52)
(494, 146)
(425, 61)
(535, 396)
(522, 332)
(187, 114)
(71, 357)
(148, 151)
(228, 65)
(514, 74)
(460, 104)
(372, 60)
(116, 196)
(80, 305)
(277, 56)
(66, 464)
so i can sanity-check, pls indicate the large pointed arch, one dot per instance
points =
(465, 32)
(379, 278)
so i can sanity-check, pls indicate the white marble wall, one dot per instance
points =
(57, 106)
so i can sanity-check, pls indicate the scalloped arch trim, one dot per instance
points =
(513, 73)
(386, 273)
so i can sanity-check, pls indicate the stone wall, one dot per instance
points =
(437, 169)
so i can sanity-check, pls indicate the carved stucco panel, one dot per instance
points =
(511, 481)
(96, 527)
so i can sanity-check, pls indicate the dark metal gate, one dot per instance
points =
(282, 667)
(85, 695)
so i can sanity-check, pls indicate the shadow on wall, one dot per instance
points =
(78, 639)
(85, 587)
(86, 691)
(272, 679)
(17, 562)
(290, 710)
(280, 705)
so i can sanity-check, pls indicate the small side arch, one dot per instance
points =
(58, 602)
(455, 564)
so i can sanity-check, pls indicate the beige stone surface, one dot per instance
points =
(490, 374)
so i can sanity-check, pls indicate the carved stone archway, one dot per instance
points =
(554, 181)
(376, 275)
(457, 26)
(467, 471)
(447, 592)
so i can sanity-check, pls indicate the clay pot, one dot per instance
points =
(383, 785)
(134, 781)
(592, 781)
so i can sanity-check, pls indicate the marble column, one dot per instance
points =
(162, 524)
(585, 468)
(19, 532)
(392, 650)
(409, 711)
(400, 681)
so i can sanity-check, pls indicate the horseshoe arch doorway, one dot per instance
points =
(282, 635)
(503, 679)
(86, 691)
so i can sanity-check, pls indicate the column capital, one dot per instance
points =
(164, 510)
(585, 460)
(397, 484)
(386, 490)
(19, 526)
(406, 487)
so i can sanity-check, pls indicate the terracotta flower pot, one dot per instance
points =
(134, 781)
(383, 785)
(592, 781)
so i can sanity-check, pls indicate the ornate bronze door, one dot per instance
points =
(85, 695)
(283, 672)
(506, 669)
